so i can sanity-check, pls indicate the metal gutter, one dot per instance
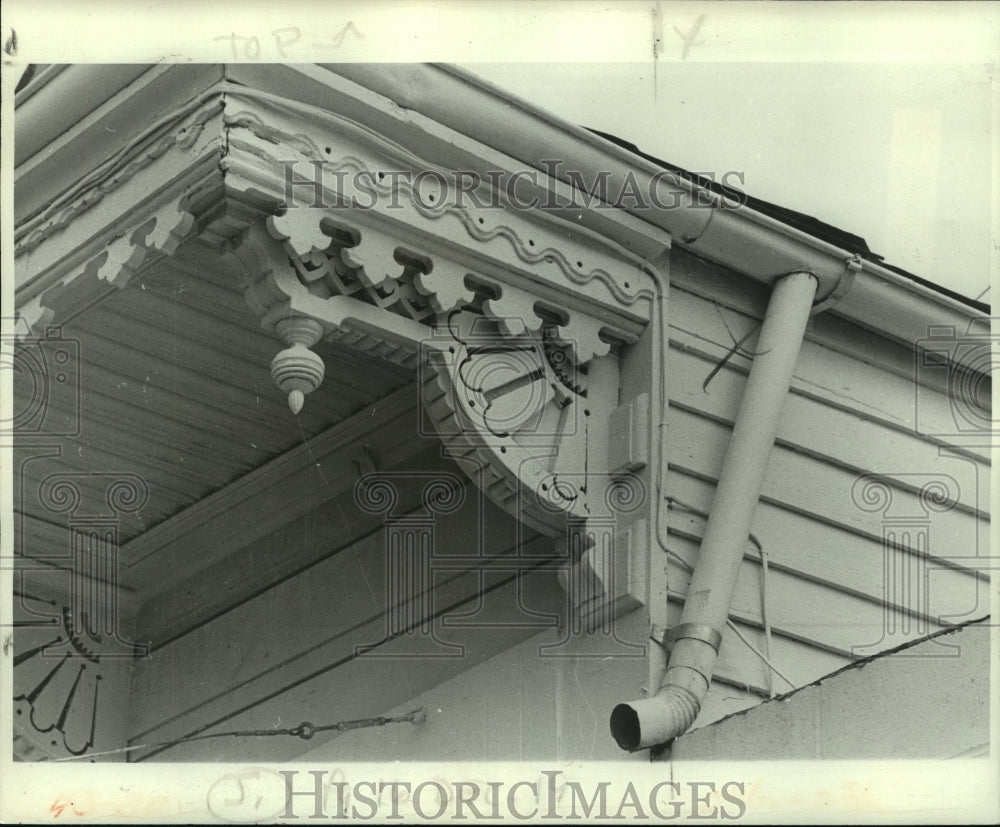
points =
(742, 239)
(35, 77)
(71, 93)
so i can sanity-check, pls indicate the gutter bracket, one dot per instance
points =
(852, 267)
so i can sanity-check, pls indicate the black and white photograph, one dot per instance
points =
(502, 411)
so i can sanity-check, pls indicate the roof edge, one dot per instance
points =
(626, 152)
(747, 241)
(744, 240)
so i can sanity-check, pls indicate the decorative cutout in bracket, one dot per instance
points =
(157, 235)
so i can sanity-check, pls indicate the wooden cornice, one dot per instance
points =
(48, 576)
(523, 249)
(213, 172)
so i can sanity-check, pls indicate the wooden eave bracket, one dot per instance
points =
(456, 293)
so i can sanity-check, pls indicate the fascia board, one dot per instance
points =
(63, 95)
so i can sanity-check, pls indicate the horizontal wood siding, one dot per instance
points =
(852, 413)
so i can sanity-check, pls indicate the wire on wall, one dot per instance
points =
(765, 656)
(305, 731)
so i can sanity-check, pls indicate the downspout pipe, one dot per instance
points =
(672, 710)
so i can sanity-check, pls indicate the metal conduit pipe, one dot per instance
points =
(669, 712)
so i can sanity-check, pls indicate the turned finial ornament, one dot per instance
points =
(297, 370)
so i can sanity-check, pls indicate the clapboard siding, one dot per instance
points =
(863, 375)
(845, 622)
(722, 288)
(845, 439)
(809, 486)
(851, 413)
(853, 567)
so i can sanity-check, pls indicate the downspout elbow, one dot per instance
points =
(674, 708)
(651, 721)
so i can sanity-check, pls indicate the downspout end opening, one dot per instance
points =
(625, 727)
(650, 722)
